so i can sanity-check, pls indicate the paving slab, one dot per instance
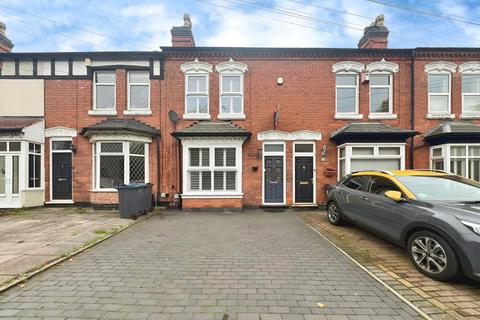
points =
(33, 237)
(205, 265)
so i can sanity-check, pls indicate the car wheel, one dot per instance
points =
(334, 213)
(433, 256)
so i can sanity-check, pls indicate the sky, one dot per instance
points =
(144, 25)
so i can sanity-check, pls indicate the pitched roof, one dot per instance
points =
(453, 128)
(373, 131)
(16, 124)
(120, 124)
(212, 129)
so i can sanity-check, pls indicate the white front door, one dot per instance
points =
(9, 180)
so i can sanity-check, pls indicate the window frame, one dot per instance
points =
(348, 156)
(197, 115)
(97, 153)
(129, 85)
(94, 105)
(449, 94)
(241, 93)
(390, 94)
(211, 145)
(447, 156)
(356, 113)
(40, 159)
(465, 113)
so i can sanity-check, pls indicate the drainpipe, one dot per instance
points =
(158, 168)
(412, 107)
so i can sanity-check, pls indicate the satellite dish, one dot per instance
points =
(173, 116)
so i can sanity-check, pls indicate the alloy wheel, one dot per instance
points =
(429, 255)
(332, 212)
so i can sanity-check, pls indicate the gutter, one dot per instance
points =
(412, 107)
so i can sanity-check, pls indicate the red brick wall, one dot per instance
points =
(306, 100)
(211, 203)
(67, 103)
(103, 197)
(422, 124)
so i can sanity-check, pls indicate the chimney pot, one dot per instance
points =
(375, 35)
(3, 27)
(182, 36)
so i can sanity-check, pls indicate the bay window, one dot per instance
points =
(459, 159)
(118, 163)
(359, 156)
(213, 169)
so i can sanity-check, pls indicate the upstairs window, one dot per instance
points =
(439, 92)
(471, 93)
(231, 94)
(104, 90)
(346, 93)
(138, 90)
(380, 93)
(197, 94)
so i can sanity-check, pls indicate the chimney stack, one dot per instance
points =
(375, 35)
(182, 36)
(5, 44)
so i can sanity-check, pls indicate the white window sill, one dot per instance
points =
(232, 117)
(348, 116)
(212, 196)
(440, 116)
(32, 189)
(102, 112)
(104, 190)
(197, 116)
(380, 116)
(137, 112)
(472, 115)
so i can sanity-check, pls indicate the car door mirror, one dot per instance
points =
(394, 195)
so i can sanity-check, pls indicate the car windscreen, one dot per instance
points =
(446, 188)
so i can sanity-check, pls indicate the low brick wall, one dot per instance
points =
(103, 197)
(211, 203)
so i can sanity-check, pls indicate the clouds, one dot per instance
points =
(62, 25)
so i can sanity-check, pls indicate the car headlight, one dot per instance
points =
(472, 226)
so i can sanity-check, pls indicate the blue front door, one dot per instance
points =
(273, 179)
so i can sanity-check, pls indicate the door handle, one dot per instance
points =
(62, 179)
(364, 198)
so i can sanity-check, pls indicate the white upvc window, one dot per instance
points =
(231, 95)
(381, 94)
(459, 159)
(364, 156)
(470, 94)
(196, 89)
(34, 165)
(120, 162)
(104, 92)
(231, 89)
(138, 83)
(212, 169)
(346, 95)
(439, 93)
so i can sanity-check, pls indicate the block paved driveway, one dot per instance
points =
(251, 265)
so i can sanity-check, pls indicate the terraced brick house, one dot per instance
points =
(249, 127)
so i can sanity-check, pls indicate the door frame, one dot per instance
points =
(14, 200)
(280, 154)
(305, 154)
(65, 201)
